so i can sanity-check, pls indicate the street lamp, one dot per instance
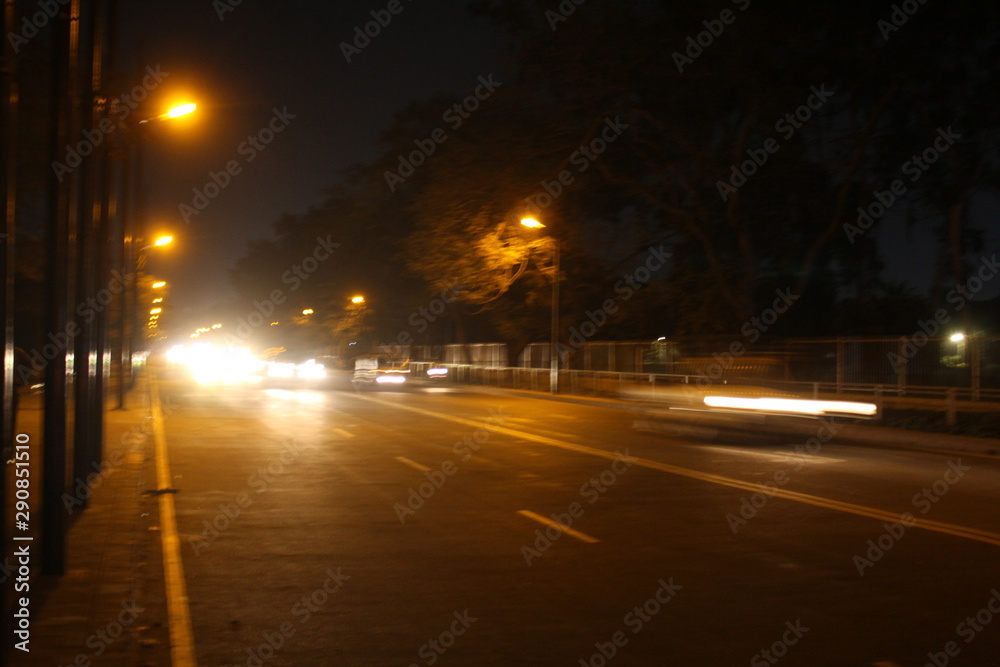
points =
(357, 299)
(532, 223)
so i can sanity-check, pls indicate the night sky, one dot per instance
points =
(266, 56)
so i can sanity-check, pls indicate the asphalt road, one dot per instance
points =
(328, 527)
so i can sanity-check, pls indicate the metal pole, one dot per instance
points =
(554, 357)
(85, 279)
(8, 191)
(53, 520)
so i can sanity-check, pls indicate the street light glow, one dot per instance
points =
(308, 311)
(358, 299)
(182, 110)
(957, 337)
(159, 284)
(154, 311)
(531, 223)
(163, 240)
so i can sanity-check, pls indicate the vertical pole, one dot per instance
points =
(92, 108)
(8, 191)
(554, 357)
(53, 558)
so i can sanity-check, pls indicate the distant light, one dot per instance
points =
(158, 300)
(661, 338)
(274, 324)
(182, 110)
(159, 284)
(358, 299)
(154, 311)
(163, 240)
(957, 337)
(531, 222)
(308, 311)
(391, 379)
(216, 326)
(437, 371)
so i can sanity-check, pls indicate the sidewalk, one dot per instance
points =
(103, 610)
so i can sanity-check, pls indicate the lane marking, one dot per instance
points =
(805, 498)
(342, 433)
(179, 614)
(412, 464)
(583, 537)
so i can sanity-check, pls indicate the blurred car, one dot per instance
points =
(293, 367)
(381, 370)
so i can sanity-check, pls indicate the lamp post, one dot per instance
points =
(532, 223)
(132, 231)
(127, 323)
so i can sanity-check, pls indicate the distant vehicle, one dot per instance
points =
(292, 367)
(381, 370)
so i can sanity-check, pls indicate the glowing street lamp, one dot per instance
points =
(358, 299)
(176, 112)
(158, 284)
(532, 223)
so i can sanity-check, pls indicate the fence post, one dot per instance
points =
(841, 364)
(974, 364)
(951, 407)
(903, 364)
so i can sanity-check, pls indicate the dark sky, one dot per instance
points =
(269, 55)
(263, 56)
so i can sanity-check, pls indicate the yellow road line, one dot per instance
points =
(179, 615)
(817, 501)
(583, 537)
(412, 464)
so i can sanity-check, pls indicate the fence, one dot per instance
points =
(939, 367)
